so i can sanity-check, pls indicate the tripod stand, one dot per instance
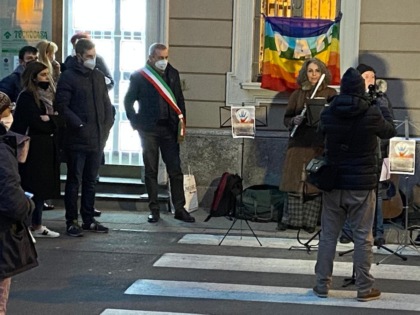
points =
(407, 231)
(239, 215)
(307, 245)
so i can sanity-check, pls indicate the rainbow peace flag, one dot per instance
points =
(289, 41)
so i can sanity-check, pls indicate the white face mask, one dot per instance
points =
(161, 64)
(73, 52)
(7, 121)
(90, 63)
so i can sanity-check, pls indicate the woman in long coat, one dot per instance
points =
(304, 200)
(35, 117)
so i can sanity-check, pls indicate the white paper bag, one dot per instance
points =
(190, 191)
(385, 174)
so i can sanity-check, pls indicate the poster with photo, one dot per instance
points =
(402, 156)
(243, 121)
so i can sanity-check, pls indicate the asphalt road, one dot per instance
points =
(173, 267)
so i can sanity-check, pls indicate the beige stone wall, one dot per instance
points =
(200, 41)
(389, 41)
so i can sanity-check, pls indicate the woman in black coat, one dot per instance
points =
(36, 117)
(17, 251)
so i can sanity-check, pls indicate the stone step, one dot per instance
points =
(117, 201)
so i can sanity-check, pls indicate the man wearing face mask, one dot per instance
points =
(160, 123)
(100, 62)
(11, 84)
(82, 99)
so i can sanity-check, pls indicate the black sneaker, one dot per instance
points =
(95, 226)
(96, 213)
(74, 229)
(320, 293)
(154, 216)
(373, 294)
(183, 215)
(344, 240)
(380, 241)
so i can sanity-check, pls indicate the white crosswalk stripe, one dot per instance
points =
(283, 243)
(130, 312)
(277, 265)
(240, 292)
(271, 294)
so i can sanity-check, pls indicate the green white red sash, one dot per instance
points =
(165, 91)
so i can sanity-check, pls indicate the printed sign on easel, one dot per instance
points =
(402, 156)
(243, 121)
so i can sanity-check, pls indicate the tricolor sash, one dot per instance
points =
(165, 91)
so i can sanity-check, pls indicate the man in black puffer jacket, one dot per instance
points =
(351, 125)
(82, 99)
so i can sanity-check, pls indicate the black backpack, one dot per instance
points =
(224, 200)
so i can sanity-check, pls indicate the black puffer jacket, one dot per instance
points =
(17, 252)
(11, 84)
(82, 99)
(142, 90)
(351, 120)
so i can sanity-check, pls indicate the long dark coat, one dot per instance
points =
(17, 251)
(41, 172)
(306, 144)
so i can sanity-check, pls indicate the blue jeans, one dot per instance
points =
(82, 169)
(165, 139)
(37, 213)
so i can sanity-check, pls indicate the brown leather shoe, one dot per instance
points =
(183, 215)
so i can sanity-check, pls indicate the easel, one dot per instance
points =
(407, 231)
(239, 215)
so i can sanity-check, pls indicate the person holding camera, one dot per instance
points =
(375, 90)
(351, 125)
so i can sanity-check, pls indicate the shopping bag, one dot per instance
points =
(190, 192)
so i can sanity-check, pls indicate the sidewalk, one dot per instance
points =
(137, 221)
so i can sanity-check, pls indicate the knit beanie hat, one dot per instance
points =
(352, 82)
(362, 68)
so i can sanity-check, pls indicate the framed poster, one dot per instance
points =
(402, 156)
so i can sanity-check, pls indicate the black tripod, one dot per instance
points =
(239, 215)
(306, 245)
(352, 279)
(404, 258)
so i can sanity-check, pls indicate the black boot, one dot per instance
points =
(183, 215)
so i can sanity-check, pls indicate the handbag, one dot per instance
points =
(321, 174)
(190, 192)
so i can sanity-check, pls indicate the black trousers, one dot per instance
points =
(164, 139)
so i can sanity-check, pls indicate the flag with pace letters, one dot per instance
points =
(289, 41)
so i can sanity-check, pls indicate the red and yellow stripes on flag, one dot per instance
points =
(290, 41)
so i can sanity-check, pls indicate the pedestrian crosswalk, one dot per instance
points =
(268, 293)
